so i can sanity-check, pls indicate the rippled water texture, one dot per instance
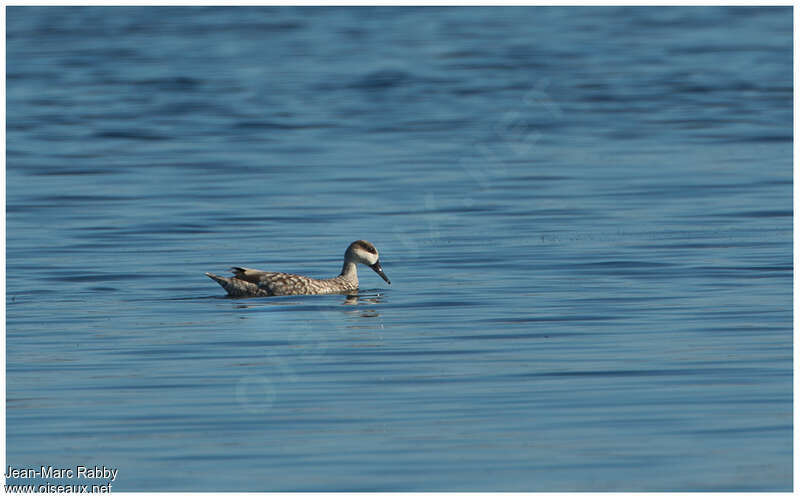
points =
(585, 213)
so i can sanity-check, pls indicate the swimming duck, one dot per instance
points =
(251, 282)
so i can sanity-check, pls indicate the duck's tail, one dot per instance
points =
(237, 287)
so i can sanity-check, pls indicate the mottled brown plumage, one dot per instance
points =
(251, 282)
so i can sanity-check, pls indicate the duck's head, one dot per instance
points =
(364, 252)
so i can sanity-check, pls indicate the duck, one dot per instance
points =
(251, 282)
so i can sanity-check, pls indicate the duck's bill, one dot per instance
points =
(378, 270)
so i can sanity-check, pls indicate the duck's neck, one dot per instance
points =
(349, 271)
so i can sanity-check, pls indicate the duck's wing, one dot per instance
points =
(276, 283)
(249, 275)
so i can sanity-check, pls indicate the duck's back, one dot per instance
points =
(280, 283)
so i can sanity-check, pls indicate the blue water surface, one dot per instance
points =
(586, 215)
